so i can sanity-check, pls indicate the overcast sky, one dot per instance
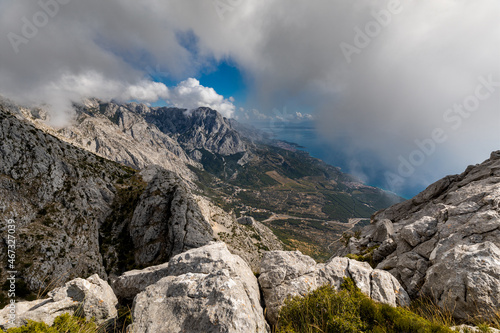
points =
(405, 89)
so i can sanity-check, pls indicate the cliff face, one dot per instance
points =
(445, 242)
(58, 196)
(202, 128)
(138, 136)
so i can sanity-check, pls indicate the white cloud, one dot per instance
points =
(190, 94)
(394, 91)
(146, 91)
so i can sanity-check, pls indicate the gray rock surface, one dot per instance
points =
(58, 196)
(466, 273)
(206, 289)
(446, 241)
(130, 283)
(202, 128)
(383, 230)
(246, 220)
(118, 133)
(472, 329)
(92, 298)
(167, 219)
(238, 239)
(285, 273)
(77, 214)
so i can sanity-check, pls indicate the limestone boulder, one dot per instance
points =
(206, 290)
(445, 241)
(130, 283)
(286, 274)
(92, 298)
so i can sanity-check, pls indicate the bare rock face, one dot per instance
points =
(206, 290)
(445, 242)
(202, 128)
(472, 329)
(77, 214)
(119, 133)
(93, 297)
(130, 283)
(466, 271)
(167, 219)
(246, 220)
(57, 196)
(248, 242)
(285, 274)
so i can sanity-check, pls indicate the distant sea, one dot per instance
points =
(303, 134)
(306, 136)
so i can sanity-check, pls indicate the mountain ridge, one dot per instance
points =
(244, 173)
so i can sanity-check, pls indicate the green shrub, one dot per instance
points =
(62, 324)
(365, 256)
(348, 310)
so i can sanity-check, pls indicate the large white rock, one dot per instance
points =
(467, 279)
(285, 274)
(92, 298)
(207, 290)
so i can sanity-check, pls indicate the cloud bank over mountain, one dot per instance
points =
(393, 84)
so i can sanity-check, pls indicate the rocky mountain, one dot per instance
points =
(202, 128)
(77, 213)
(307, 203)
(445, 242)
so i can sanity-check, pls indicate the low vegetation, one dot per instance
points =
(62, 324)
(67, 323)
(348, 310)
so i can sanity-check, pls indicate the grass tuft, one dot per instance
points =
(326, 310)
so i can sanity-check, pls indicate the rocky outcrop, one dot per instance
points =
(248, 242)
(466, 273)
(206, 290)
(285, 274)
(167, 219)
(444, 243)
(91, 298)
(246, 220)
(77, 214)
